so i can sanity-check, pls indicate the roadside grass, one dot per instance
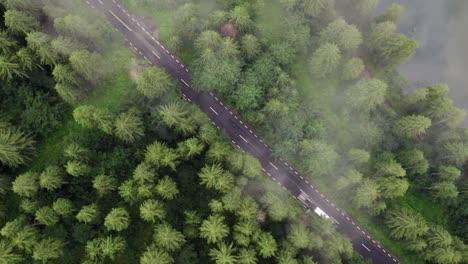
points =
(114, 92)
(433, 212)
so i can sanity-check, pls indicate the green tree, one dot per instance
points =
(46, 216)
(152, 210)
(20, 22)
(168, 238)
(442, 255)
(63, 207)
(321, 156)
(414, 161)
(223, 254)
(26, 184)
(88, 214)
(214, 177)
(89, 65)
(388, 48)
(217, 152)
(77, 168)
(274, 108)
(246, 97)
(456, 153)
(367, 193)
(154, 255)
(412, 126)
(358, 156)
(346, 37)
(144, 173)
(128, 190)
(7, 43)
(314, 8)
(65, 46)
(240, 17)
(36, 40)
(393, 14)
(51, 178)
(350, 177)
(9, 69)
(25, 59)
(439, 237)
(365, 8)
(92, 117)
(266, 245)
(444, 190)
(174, 115)
(352, 69)
(167, 188)
(104, 184)
(102, 247)
(63, 73)
(16, 147)
(7, 253)
(366, 94)
(448, 173)
(118, 219)
(190, 148)
(214, 229)
(250, 46)
(246, 256)
(154, 83)
(325, 60)
(129, 127)
(392, 187)
(298, 235)
(404, 223)
(48, 249)
(77, 152)
(26, 238)
(247, 209)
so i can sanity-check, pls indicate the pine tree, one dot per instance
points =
(167, 188)
(404, 223)
(48, 249)
(104, 184)
(51, 178)
(88, 214)
(223, 254)
(118, 219)
(152, 210)
(26, 184)
(15, 147)
(214, 229)
(166, 237)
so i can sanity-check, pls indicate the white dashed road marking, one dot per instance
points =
(186, 84)
(273, 165)
(120, 20)
(243, 139)
(155, 54)
(213, 110)
(366, 247)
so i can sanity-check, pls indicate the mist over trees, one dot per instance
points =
(150, 180)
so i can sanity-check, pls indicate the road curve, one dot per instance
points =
(241, 134)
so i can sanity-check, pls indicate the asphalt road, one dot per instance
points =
(242, 136)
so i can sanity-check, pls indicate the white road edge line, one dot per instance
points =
(213, 110)
(120, 20)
